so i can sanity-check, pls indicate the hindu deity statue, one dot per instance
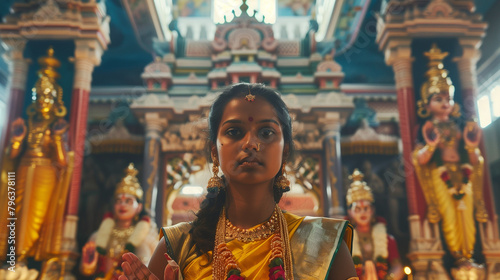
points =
(44, 169)
(127, 228)
(374, 251)
(448, 162)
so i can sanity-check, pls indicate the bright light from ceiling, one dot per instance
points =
(483, 107)
(224, 8)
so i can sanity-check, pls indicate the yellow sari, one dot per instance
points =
(314, 242)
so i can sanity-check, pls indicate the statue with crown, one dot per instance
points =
(448, 163)
(374, 251)
(43, 168)
(127, 228)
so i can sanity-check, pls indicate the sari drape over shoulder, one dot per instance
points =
(315, 242)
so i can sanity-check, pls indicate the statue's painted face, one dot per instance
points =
(126, 207)
(440, 104)
(362, 212)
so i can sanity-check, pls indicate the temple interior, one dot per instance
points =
(129, 84)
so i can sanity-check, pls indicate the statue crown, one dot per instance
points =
(437, 77)
(358, 190)
(129, 184)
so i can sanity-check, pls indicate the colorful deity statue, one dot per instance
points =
(374, 251)
(448, 162)
(43, 170)
(127, 229)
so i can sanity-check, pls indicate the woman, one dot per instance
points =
(250, 138)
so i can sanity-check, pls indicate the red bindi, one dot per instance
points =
(250, 119)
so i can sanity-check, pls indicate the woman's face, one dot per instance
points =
(361, 212)
(250, 142)
(126, 207)
(440, 105)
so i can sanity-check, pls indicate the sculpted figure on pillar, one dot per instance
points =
(43, 171)
(128, 228)
(374, 251)
(448, 162)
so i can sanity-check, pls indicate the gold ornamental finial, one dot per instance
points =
(49, 64)
(130, 184)
(358, 190)
(437, 80)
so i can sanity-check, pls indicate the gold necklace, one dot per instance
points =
(248, 235)
(224, 260)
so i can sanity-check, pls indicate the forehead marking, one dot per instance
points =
(250, 119)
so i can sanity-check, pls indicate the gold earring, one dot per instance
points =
(281, 181)
(422, 111)
(456, 111)
(215, 183)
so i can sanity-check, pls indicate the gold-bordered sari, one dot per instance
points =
(315, 242)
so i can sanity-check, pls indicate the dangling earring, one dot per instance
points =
(456, 111)
(422, 111)
(215, 183)
(281, 181)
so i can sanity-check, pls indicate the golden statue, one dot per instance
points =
(43, 172)
(449, 164)
(127, 229)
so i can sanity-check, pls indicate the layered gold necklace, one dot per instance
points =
(225, 265)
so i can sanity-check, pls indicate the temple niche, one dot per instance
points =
(139, 76)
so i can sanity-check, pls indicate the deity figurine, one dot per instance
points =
(374, 251)
(127, 229)
(44, 170)
(448, 163)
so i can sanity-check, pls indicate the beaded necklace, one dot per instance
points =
(280, 263)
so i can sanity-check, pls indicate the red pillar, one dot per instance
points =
(84, 66)
(402, 66)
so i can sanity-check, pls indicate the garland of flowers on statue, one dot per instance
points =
(381, 251)
(466, 170)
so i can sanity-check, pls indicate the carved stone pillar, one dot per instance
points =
(333, 201)
(399, 57)
(87, 55)
(152, 149)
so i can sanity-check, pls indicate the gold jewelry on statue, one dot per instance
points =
(456, 111)
(358, 190)
(281, 181)
(470, 149)
(248, 235)
(130, 184)
(215, 183)
(249, 97)
(437, 81)
(422, 111)
(430, 148)
(258, 147)
(117, 241)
